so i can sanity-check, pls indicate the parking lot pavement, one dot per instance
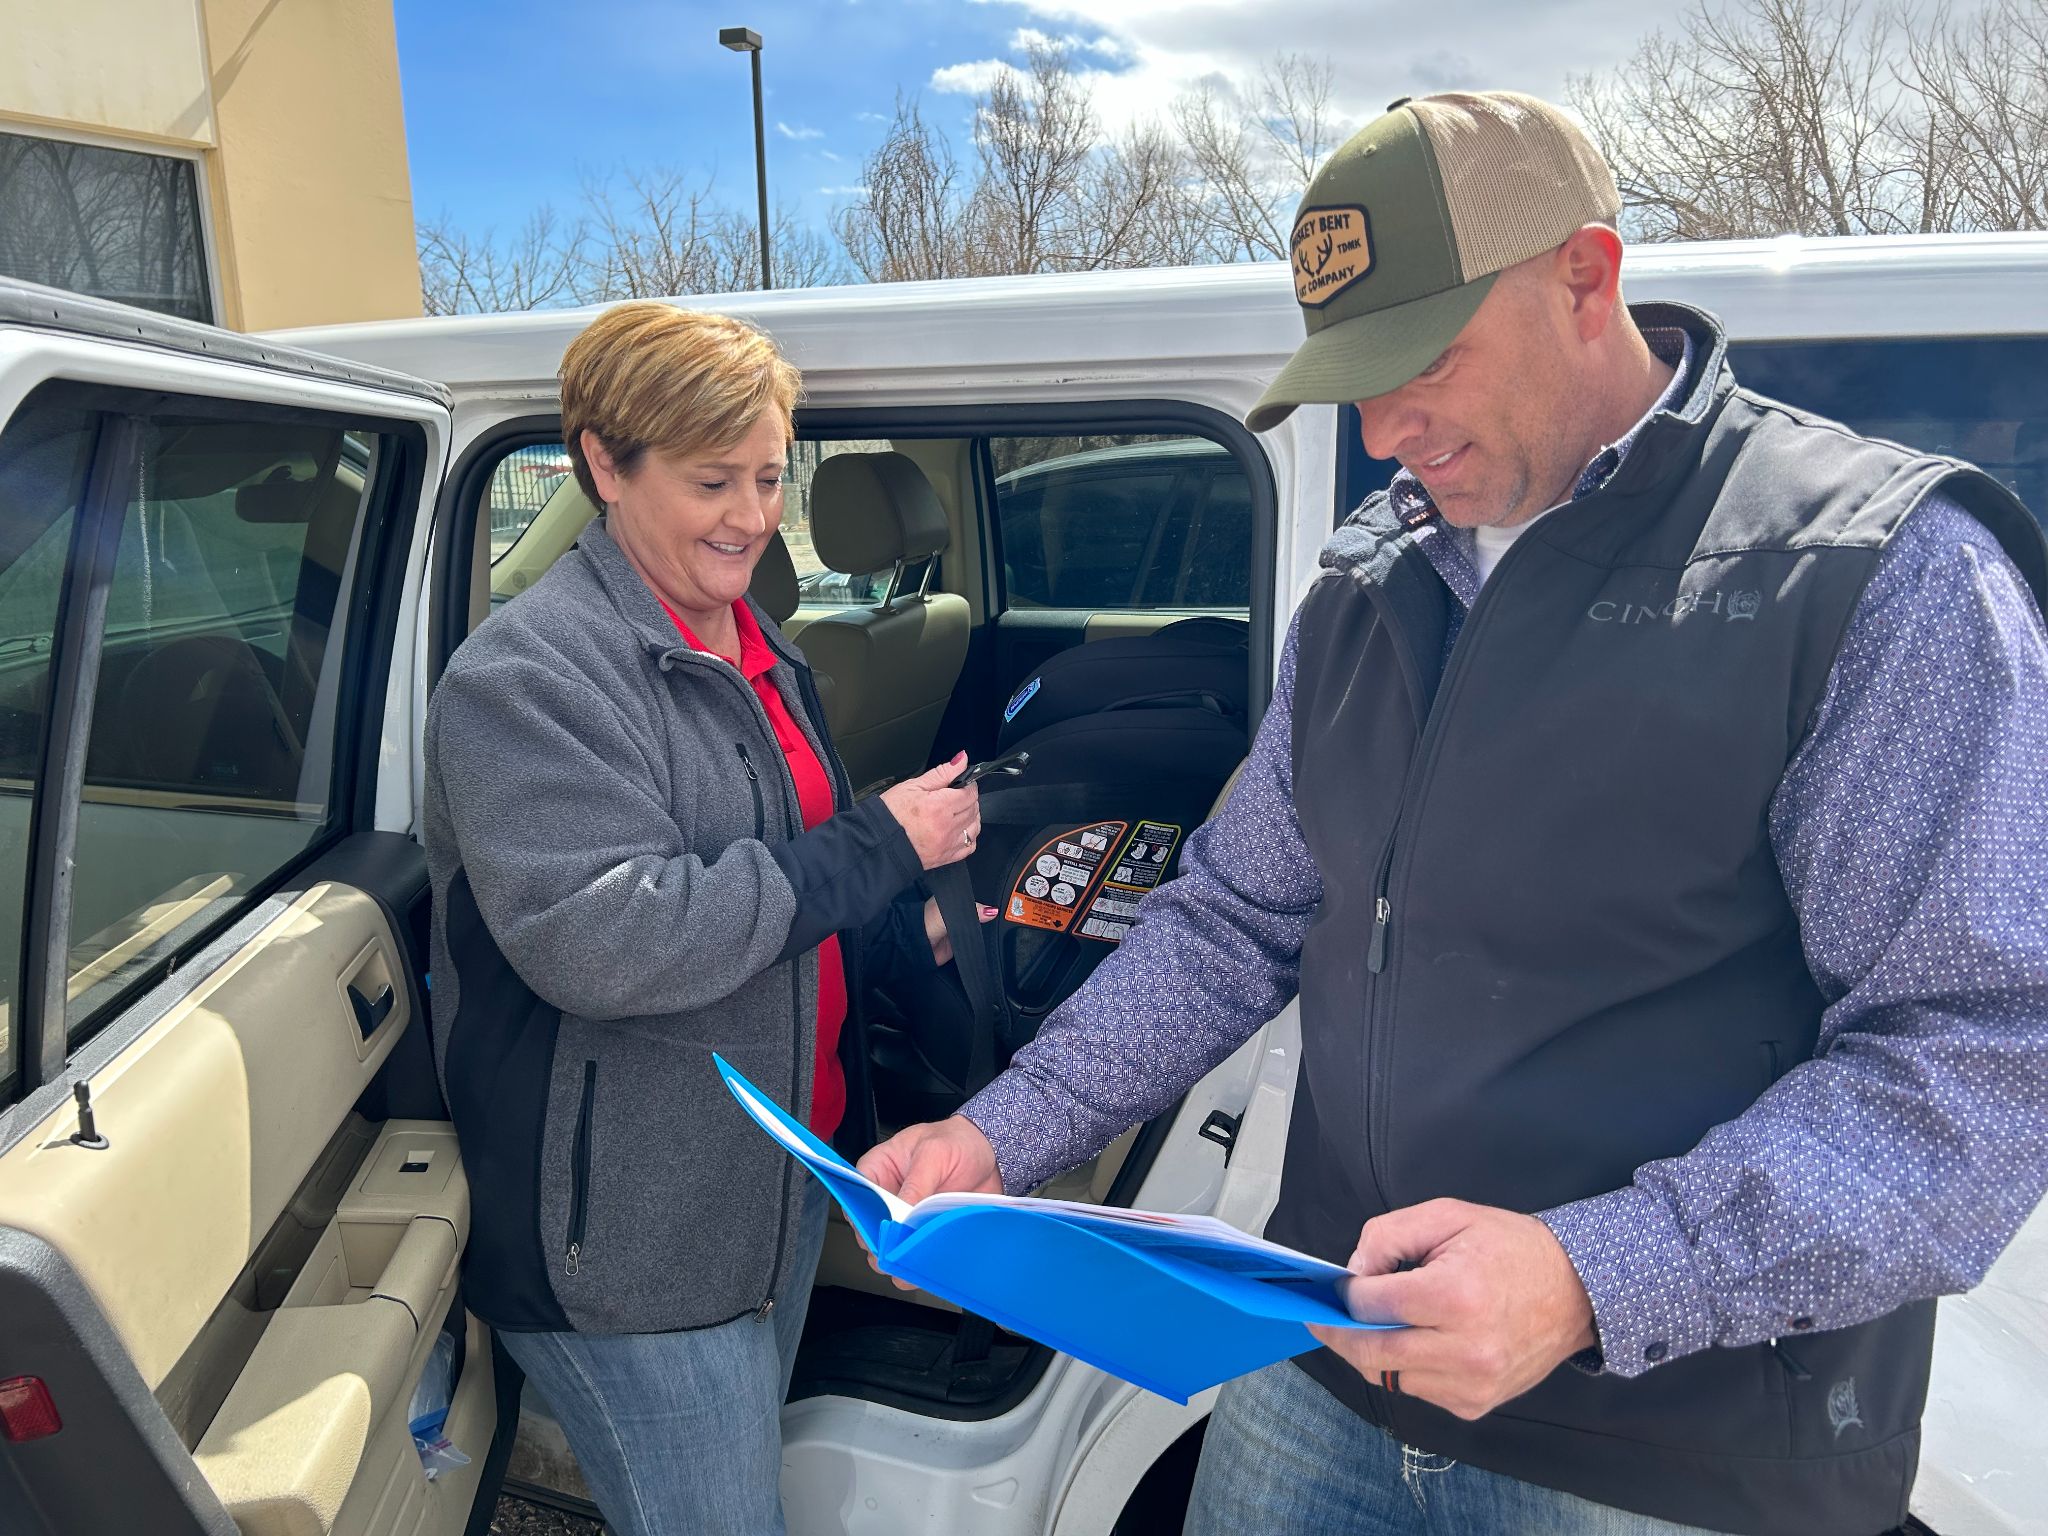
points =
(516, 1517)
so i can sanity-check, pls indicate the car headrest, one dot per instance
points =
(774, 583)
(869, 510)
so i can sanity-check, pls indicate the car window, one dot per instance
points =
(519, 487)
(212, 743)
(817, 584)
(1984, 399)
(44, 454)
(1122, 521)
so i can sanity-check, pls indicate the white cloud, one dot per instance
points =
(872, 117)
(799, 133)
(1152, 51)
(968, 79)
(826, 154)
(856, 190)
(1025, 38)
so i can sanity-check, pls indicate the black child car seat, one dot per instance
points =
(1130, 742)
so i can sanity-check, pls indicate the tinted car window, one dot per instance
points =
(44, 454)
(1122, 522)
(1984, 399)
(210, 758)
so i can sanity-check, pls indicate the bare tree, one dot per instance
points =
(469, 274)
(1235, 194)
(1048, 191)
(1753, 117)
(651, 235)
(908, 224)
(1252, 151)
(1036, 134)
(1044, 189)
(646, 234)
(1983, 88)
(1138, 207)
(1810, 117)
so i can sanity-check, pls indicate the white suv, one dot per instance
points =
(231, 569)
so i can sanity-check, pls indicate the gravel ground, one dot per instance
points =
(516, 1517)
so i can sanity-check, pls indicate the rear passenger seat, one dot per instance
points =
(892, 667)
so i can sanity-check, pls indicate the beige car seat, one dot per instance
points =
(892, 667)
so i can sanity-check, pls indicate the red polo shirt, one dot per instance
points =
(814, 799)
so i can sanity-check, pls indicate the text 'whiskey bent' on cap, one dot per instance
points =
(1401, 234)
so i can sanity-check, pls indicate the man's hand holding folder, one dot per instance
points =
(1492, 1304)
(926, 1159)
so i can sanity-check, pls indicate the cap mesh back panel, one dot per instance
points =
(1518, 176)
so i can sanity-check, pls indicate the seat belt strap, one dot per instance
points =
(953, 891)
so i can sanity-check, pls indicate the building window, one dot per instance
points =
(109, 222)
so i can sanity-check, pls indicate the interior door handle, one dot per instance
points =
(370, 1012)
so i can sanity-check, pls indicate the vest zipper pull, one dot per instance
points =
(575, 1258)
(1790, 1362)
(766, 1307)
(1376, 953)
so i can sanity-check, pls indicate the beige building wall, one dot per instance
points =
(290, 107)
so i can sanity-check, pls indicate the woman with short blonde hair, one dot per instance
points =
(644, 850)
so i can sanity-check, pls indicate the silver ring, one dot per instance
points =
(966, 839)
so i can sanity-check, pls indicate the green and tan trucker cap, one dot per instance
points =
(1401, 234)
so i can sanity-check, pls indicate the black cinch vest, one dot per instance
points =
(1554, 943)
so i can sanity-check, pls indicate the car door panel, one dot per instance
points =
(213, 1117)
(214, 1120)
(235, 1295)
(116, 1465)
(1113, 626)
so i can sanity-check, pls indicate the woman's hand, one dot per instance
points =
(942, 823)
(935, 929)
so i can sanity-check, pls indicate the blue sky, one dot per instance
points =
(509, 104)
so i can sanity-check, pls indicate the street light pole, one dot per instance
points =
(745, 40)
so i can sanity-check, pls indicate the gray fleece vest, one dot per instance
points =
(1555, 944)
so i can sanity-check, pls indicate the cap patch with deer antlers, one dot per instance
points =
(1332, 250)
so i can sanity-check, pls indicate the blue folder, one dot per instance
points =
(1172, 1304)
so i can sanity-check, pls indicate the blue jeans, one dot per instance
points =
(1282, 1457)
(682, 1432)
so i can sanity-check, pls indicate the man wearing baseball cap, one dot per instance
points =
(1652, 821)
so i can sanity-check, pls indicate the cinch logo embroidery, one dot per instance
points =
(1731, 607)
(1842, 1410)
(1332, 250)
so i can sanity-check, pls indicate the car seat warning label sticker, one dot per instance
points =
(1056, 884)
(1139, 866)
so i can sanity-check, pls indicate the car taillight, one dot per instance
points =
(26, 1411)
